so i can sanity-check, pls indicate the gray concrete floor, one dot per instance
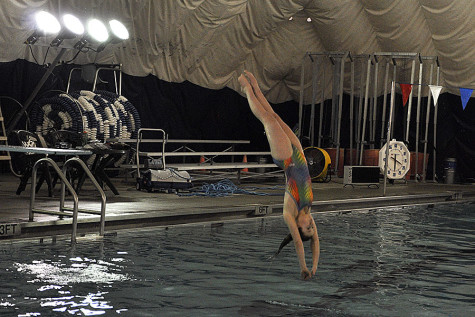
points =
(134, 208)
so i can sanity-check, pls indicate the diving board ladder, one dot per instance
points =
(4, 156)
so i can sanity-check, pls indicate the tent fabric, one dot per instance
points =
(210, 42)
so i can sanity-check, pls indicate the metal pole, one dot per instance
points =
(394, 79)
(375, 100)
(385, 99)
(429, 101)
(418, 115)
(302, 77)
(360, 108)
(435, 126)
(365, 110)
(24, 109)
(352, 101)
(314, 96)
(340, 109)
(334, 115)
(409, 107)
(322, 106)
(388, 138)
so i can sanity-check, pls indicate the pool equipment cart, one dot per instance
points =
(164, 179)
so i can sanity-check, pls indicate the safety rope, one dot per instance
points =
(226, 187)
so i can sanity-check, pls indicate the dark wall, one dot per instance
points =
(185, 110)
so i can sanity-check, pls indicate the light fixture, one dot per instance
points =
(97, 30)
(46, 23)
(96, 33)
(73, 27)
(118, 32)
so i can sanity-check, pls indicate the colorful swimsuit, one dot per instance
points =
(299, 184)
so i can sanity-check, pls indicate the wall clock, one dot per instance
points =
(399, 159)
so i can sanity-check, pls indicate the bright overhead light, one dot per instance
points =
(73, 24)
(97, 30)
(47, 23)
(72, 28)
(119, 33)
(119, 30)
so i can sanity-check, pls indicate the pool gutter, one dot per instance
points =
(135, 220)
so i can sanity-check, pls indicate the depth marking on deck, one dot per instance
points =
(9, 229)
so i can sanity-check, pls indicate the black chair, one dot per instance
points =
(22, 163)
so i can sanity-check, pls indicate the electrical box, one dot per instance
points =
(361, 175)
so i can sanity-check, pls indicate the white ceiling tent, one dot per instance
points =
(210, 42)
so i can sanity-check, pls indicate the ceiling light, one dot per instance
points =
(97, 30)
(47, 23)
(73, 27)
(73, 24)
(118, 30)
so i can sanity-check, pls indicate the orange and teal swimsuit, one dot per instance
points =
(298, 181)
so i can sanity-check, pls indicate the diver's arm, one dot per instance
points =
(315, 245)
(292, 225)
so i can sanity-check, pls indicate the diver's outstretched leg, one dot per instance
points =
(265, 104)
(279, 143)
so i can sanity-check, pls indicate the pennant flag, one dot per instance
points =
(465, 94)
(406, 91)
(435, 90)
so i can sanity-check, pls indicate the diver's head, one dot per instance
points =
(305, 224)
(305, 227)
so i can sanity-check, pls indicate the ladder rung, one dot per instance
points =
(5, 157)
(1, 118)
(3, 138)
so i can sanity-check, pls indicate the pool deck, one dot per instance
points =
(136, 209)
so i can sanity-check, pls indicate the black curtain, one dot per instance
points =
(187, 111)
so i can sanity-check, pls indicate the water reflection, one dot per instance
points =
(92, 304)
(79, 270)
(80, 276)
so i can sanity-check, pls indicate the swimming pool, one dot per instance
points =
(414, 261)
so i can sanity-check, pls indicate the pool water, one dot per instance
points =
(414, 261)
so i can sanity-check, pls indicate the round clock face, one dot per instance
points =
(398, 159)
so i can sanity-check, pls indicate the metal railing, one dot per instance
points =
(67, 211)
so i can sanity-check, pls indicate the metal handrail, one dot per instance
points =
(66, 183)
(96, 185)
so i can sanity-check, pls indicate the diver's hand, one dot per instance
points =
(314, 270)
(305, 274)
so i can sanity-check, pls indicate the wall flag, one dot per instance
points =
(435, 90)
(406, 91)
(465, 94)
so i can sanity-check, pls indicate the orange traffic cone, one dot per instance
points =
(202, 160)
(244, 160)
